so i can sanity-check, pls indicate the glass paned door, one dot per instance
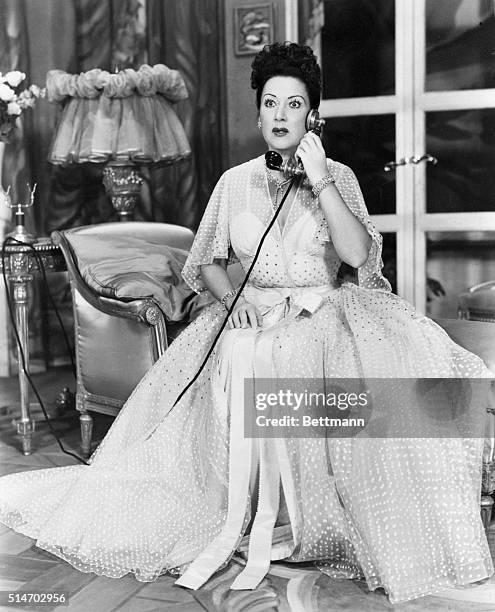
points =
(421, 103)
(454, 133)
(364, 88)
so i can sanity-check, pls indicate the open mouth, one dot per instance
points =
(280, 131)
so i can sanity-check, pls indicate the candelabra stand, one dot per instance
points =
(19, 264)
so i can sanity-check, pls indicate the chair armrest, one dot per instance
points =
(139, 309)
(142, 309)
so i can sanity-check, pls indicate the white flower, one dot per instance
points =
(14, 78)
(25, 102)
(35, 90)
(13, 108)
(6, 94)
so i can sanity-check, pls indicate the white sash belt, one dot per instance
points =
(246, 353)
(260, 539)
(240, 355)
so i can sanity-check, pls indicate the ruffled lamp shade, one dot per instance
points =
(124, 119)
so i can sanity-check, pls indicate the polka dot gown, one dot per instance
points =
(403, 513)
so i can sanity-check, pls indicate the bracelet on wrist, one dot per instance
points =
(226, 297)
(321, 184)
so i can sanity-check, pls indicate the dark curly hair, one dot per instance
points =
(287, 59)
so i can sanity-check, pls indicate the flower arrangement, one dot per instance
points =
(13, 101)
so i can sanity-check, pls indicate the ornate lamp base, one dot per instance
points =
(22, 235)
(20, 232)
(123, 183)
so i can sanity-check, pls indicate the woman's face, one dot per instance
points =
(283, 110)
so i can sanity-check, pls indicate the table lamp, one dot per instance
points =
(124, 120)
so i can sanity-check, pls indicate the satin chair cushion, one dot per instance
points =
(129, 268)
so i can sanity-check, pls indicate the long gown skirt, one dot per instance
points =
(172, 490)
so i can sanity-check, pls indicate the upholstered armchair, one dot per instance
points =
(122, 325)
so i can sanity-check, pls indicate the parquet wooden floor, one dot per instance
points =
(287, 588)
(25, 567)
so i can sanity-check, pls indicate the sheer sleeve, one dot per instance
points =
(370, 273)
(212, 238)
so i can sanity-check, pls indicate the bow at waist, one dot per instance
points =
(277, 302)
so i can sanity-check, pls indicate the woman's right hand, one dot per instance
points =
(245, 315)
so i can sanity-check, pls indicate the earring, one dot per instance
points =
(259, 123)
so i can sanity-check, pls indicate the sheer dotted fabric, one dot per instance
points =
(403, 513)
(239, 211)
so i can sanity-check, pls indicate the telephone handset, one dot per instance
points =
(291, 170)
(314, 122)
(293, 167)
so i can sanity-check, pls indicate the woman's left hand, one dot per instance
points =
(312, 155)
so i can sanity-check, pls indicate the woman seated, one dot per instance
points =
(182, 489)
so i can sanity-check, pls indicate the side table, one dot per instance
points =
(20, 266)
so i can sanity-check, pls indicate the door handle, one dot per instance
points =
(393, 164)
(410, 160)
(426, 158)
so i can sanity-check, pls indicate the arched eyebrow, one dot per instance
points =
(289, 98)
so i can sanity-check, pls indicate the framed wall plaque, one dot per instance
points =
(253, 28)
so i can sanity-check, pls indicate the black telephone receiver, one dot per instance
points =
(293, 167)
